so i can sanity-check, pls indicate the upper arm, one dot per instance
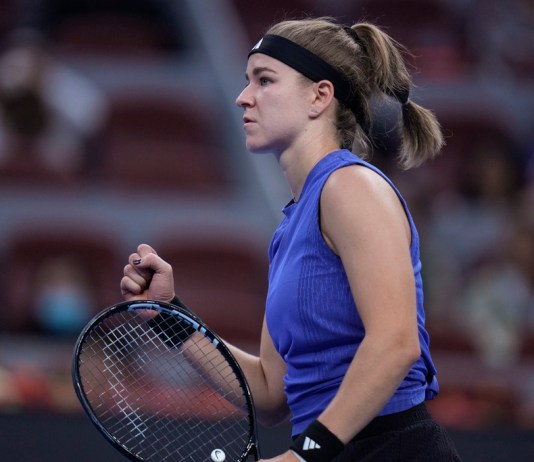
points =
(364, 222)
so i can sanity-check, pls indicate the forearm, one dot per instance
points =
(375, 373)
(269, 398)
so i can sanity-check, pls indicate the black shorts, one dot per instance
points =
(408, 436)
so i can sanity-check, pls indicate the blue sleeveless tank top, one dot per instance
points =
(311, 314)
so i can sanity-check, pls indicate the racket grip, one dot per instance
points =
(171, 330)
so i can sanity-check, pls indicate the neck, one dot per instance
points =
(297, 164)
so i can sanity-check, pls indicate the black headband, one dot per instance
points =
(309, 65)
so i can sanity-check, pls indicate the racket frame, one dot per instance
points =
(186, 315)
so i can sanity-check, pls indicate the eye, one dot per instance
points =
(264, 81)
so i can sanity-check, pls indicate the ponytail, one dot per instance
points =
(421, 136)
(371, 62)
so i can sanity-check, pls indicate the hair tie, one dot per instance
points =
(402, 95)
(353, 34)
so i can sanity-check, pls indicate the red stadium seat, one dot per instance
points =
(432, 30)
(25, 167)
(137, 27)
(109, 34)
(256, 17)
(7, 10)
(167, 143)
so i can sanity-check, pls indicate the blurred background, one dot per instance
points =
(118, 126)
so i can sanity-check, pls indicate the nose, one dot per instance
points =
(243, 99)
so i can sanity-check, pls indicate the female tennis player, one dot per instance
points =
(344, 349)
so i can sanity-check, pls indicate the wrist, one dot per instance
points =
(177, 302)
(317, 444)
(297, 455)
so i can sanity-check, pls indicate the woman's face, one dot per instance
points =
(276, 102)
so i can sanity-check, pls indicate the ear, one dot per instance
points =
(323, 97)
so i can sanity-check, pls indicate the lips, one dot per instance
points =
(247, 121)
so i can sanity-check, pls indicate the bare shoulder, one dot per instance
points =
(358, 183)
(358, 202)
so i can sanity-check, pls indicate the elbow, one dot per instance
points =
(273, 418)
(409, 350)
(271, 409)
(399, 349)
(414, 354)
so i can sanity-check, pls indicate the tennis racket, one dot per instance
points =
(161, 386)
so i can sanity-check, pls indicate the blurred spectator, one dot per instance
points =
(63, 300)
(467, 225)
(505, 38)
(497, 299)
(522, 254)
(50, 116)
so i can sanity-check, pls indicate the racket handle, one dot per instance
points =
(176, 301)
(172, 331)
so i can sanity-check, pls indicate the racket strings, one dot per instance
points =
(114, 360)
(160, 402)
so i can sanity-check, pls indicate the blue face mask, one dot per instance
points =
(63, 311)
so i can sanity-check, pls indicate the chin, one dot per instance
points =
(254, 149)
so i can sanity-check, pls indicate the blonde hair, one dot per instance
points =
(372, 62)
